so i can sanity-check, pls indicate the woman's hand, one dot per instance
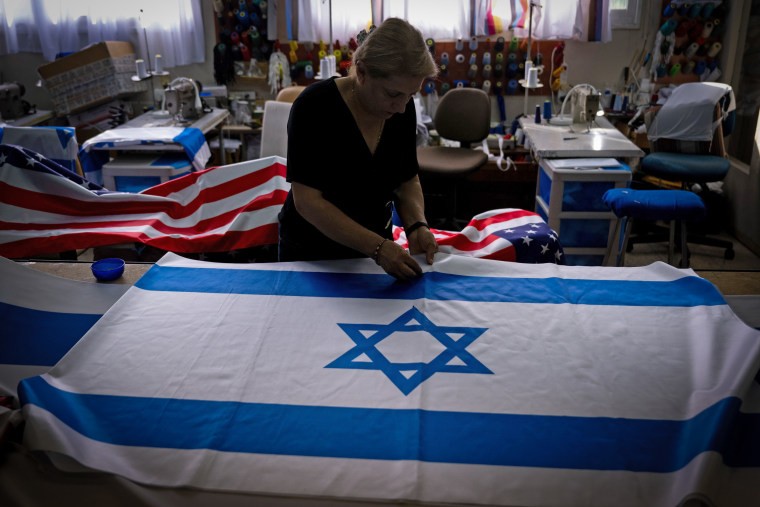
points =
(397, 262)
(421, 240)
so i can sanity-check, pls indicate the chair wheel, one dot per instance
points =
(729, 254)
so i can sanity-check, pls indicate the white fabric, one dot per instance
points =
(349, 17)
(52, 27)
(554, 20)
(205, 369)
(274, 129)
(438, 19)
(688, 113)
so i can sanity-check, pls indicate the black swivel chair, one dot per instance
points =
(464, 115)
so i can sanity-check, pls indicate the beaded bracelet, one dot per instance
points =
(377, 250)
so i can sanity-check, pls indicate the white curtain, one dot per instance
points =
(554, 20)
(349, 17)
(174, 28)
(437, 19)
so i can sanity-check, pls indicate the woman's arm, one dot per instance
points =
(411, 209)
(338, 226)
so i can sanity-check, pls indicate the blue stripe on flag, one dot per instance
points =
(594, 443)
(687, 291)
(40, 338)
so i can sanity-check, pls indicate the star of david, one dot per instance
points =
(453, 359)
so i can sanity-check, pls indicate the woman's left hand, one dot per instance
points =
(422, 241)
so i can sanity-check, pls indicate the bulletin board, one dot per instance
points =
(690, 40)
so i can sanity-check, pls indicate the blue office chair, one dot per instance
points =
(687, 147)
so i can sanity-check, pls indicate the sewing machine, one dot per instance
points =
(585, 107)
(182, 100)
(11, 104)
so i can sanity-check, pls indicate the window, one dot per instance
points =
(348, 18)
(625, 13)
(173, 28)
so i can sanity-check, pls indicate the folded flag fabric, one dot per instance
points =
(57, 143)
(41, 317)
(191, 139)
(504, 234)
(46, 209)
(482, 382)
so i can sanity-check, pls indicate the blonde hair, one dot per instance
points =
(395, 48)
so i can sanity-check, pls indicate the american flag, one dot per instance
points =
(45, 208)
(504, 234)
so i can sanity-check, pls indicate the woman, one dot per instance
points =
(352, 153)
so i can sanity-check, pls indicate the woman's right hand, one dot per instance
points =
(397, 262)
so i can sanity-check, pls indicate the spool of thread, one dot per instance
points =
(445, 87)
(512, 70)
(712, 65)
(670, 9)
(683, 9)
(473, 43)
(512, 57)
(459, 45)
(700, 67)
(674, 69)
(486, 58)
(430, 45)
(486, 71)
(308, 72)
(337, 54)
(473, 58)
(429, 87)
(547, 110)
(714, 49)
(689, 68)
(459, 58)
(498, 88)
(513, 43)
(528, 66)
(242, 3)
(537, 117)
(694, 11)
(691, 50)
(499, 57)
(293, 71)
(242, 17)
(707, 30)
(707, 9)
(717, 27)
(668, 27)
(444, 70)
(661, 70)
(682, 29)
(322, 54)
(538, 60)
(499, 46)
(160, 64)
(486, 86)
(254, 36)
(472, 71)
(498, 70)
(444, 58)
(218, 6)
(235, 37)
(533, 77)
(696, 31)
(474, 84)
(293, 56)
(142, 72)
(512, 85)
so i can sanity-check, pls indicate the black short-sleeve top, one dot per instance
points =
(326, 151)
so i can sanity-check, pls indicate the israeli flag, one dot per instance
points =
(482, 382)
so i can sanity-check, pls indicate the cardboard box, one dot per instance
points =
(96, 74)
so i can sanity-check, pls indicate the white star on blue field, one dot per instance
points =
(411, 321)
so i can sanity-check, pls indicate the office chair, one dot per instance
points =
(687, 146)
(289, 93)
(464, 115)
